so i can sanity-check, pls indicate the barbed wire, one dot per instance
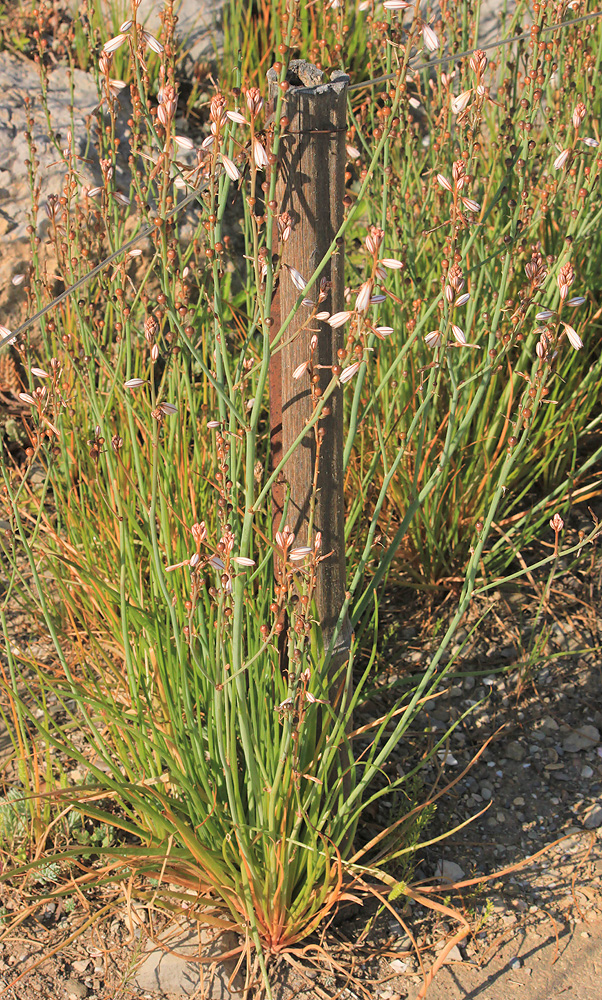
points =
(195, 194)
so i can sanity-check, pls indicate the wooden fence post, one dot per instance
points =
(311, 187)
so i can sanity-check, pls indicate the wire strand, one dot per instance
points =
(444, 60)
(147, 230)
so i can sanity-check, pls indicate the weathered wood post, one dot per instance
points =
(311, 187)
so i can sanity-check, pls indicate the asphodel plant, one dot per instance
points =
(192, 684)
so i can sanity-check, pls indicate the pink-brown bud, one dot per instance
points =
(566, 277)
(557, 524)
(579, 114)
(254, 101)
(478, 62)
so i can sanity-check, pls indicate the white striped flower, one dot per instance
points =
(134, 383)
(17, 279)
(574, 338)
(184, 142)
(298, 281)
(430, 38)
(338, 319)
(168, 409)
(6, 336)
(115, 87)
(230, 168)
(39, 373)
(391, 263)
(114, 43)
(300, 369)
(472, 206)
(459, 335)
(300, 553)
(443, 181)
(236, 117)
(578, 300)
(349, 371)
(259, 155)
(363, 296)
(433, 339)
(152, 42)
(561, 159)
(243, 561)
(461, 102)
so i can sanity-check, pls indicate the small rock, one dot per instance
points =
(449, 871)
(515, 963)
(455, 955)
(515, 750)
(583, 738)
(75, 990)
(403, 942)
(486, 792)
(165, 972)
(507, 652)
(557, 636)
(398, 966)
(587, 771)
(80, 965)
(593, 818)
(518, 801)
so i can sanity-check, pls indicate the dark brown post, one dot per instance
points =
(311, 187)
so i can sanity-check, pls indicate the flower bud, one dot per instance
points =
(579, 114)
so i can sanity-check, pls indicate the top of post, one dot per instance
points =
(303, 75)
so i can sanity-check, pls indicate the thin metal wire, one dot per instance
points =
(142, 234)
(147, 230)
(443, 60)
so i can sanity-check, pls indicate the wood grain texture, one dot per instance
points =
(311, 187)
